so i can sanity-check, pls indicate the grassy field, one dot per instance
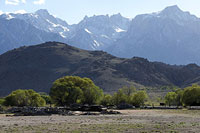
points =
(137, 121)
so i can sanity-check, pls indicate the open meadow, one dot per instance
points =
(136, 121)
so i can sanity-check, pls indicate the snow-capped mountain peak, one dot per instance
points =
(175, 13)
(165, 32)
(171, 13)
(172, 9)
(42, 12)
(170, 36)
(42, 20)
(99, 31)
(7, 16)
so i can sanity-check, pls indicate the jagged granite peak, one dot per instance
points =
(174, 12)
(42, 12)
(169, 31)
(16, 32)
(117, 15)
(172, 9)
(98, 31)
(43, 20)
(170, 36)
(95, 18)
(86, 17)
(91, 33)
(26, 29)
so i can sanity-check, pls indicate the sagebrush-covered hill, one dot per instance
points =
(37, 67)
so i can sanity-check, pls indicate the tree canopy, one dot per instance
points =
(191, 96)
(138, 98)
(171, 98)
(120, 97)
(129, 95)
(24, 98)
(72, 89)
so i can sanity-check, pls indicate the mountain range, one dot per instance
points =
(92, 33)
(37, 67)
(170, 36)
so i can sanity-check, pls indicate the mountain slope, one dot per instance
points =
(92, 33)
(170, 36)
(36, 67)
(98, 32)
(42, 20)
(15, 33)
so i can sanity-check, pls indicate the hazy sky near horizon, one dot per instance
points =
(74, 10)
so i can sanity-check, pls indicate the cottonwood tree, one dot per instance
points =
(73, 89)
(22, 98)
(191, 96)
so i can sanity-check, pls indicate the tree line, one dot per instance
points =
(71, 90)
(189, 96)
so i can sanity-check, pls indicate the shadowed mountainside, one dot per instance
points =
(36, 67)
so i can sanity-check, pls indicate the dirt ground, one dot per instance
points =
(130, 121)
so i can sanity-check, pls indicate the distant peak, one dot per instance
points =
(117, 15)
(86, 17)
(172, 9)
(42, 12)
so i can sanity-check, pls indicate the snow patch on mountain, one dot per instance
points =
(96, 43)
(62, 35)
(9, 17)
(119, 30)
(88, 31)
(1, 12)
(105, 36)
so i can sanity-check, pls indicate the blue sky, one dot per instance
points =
(74, 10)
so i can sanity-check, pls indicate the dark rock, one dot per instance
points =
(162, 104)
(125, 106)
(75, 109)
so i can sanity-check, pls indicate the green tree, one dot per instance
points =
(119, 97)
(171, 98)
(106, 100)
(72, 89)
(179, 98)
(128, 90)
(138, 98)
(191, 96)
(2, 100)
(46, 97)
(24, 98)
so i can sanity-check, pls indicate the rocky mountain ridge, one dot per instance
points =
(170, 36)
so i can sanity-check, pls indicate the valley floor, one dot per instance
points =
(136, 121)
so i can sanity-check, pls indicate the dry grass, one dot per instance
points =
(139, 121)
